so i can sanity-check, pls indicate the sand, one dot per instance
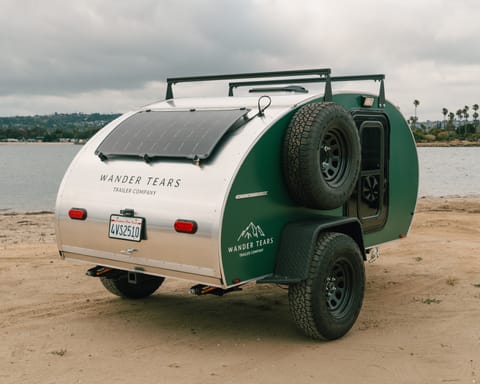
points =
(420, 322)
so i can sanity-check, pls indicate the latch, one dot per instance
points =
(127, 212)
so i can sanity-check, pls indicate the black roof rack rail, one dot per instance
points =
(324, 73)
(327, 80)
(288, 88)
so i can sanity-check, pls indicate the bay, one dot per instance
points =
(449, 171)
(30, 174)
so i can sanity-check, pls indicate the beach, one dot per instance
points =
(420, 321)
(451, 143)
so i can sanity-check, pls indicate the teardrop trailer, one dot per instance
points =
(276, 186)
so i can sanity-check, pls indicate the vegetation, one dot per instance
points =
(455, 126)
(414, 119)
(56, 127)
(80, 126)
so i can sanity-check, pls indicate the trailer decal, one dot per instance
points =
(135, 191)
(251, 241)
(150, 181)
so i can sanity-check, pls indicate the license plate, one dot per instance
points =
(126, 228)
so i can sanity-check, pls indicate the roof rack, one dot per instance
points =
(328, 80)
(287, 77)
(323, 73)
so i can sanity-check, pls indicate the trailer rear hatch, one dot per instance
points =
(137, 199)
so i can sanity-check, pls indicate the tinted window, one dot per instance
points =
(371, 148)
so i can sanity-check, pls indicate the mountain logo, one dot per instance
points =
(251, 231)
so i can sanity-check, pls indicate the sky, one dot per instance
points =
(112, 56)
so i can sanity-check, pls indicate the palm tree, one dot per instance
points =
(412, 120)
(465, 114)
(416, 103)
(475, 117)
(475, 114)
(451, 116)
(459, 114)
(444, 113)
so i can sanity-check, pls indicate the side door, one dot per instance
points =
(369, 202)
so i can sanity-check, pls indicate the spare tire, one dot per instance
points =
(321, 156)
(120, 285)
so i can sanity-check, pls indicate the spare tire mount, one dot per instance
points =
(321, 156)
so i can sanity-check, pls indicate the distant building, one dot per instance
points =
(429, 125)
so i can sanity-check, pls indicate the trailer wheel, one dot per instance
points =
(326, 305)
(321, 156)
(120, 286)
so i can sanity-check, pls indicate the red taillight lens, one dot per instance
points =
(77, 213)
(185, 226)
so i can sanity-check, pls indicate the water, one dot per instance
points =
(449, 171)
(30, 174)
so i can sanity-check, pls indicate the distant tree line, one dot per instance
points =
(55, 127)
(82, 126)
(454, 125)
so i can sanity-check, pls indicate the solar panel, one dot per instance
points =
(191, 134)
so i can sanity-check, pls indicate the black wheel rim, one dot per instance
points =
(332, 153)
(338, 289)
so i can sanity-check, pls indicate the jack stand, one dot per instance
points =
(373, 254)
(98, 271)
(201, 290)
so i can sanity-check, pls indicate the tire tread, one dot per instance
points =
(302, 295)
(300, 150)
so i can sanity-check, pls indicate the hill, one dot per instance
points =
(55, 127)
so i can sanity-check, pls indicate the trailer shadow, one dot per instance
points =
(258, 312)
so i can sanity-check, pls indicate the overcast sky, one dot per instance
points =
(114, 55)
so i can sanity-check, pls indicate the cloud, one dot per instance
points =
(71, 56)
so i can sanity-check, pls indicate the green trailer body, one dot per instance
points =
(261, 171)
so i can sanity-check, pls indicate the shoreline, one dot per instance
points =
(12, 212)
(26, 213)
(455, 143)
(38, 143)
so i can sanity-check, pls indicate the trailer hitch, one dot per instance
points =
(200, 290)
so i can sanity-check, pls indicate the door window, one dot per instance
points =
(371, 183)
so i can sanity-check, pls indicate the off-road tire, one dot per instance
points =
(321, 156)
(121, 287)
(326, 305)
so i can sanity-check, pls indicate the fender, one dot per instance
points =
(297, 245)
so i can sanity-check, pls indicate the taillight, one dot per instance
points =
(77, 213)
(185, 226)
